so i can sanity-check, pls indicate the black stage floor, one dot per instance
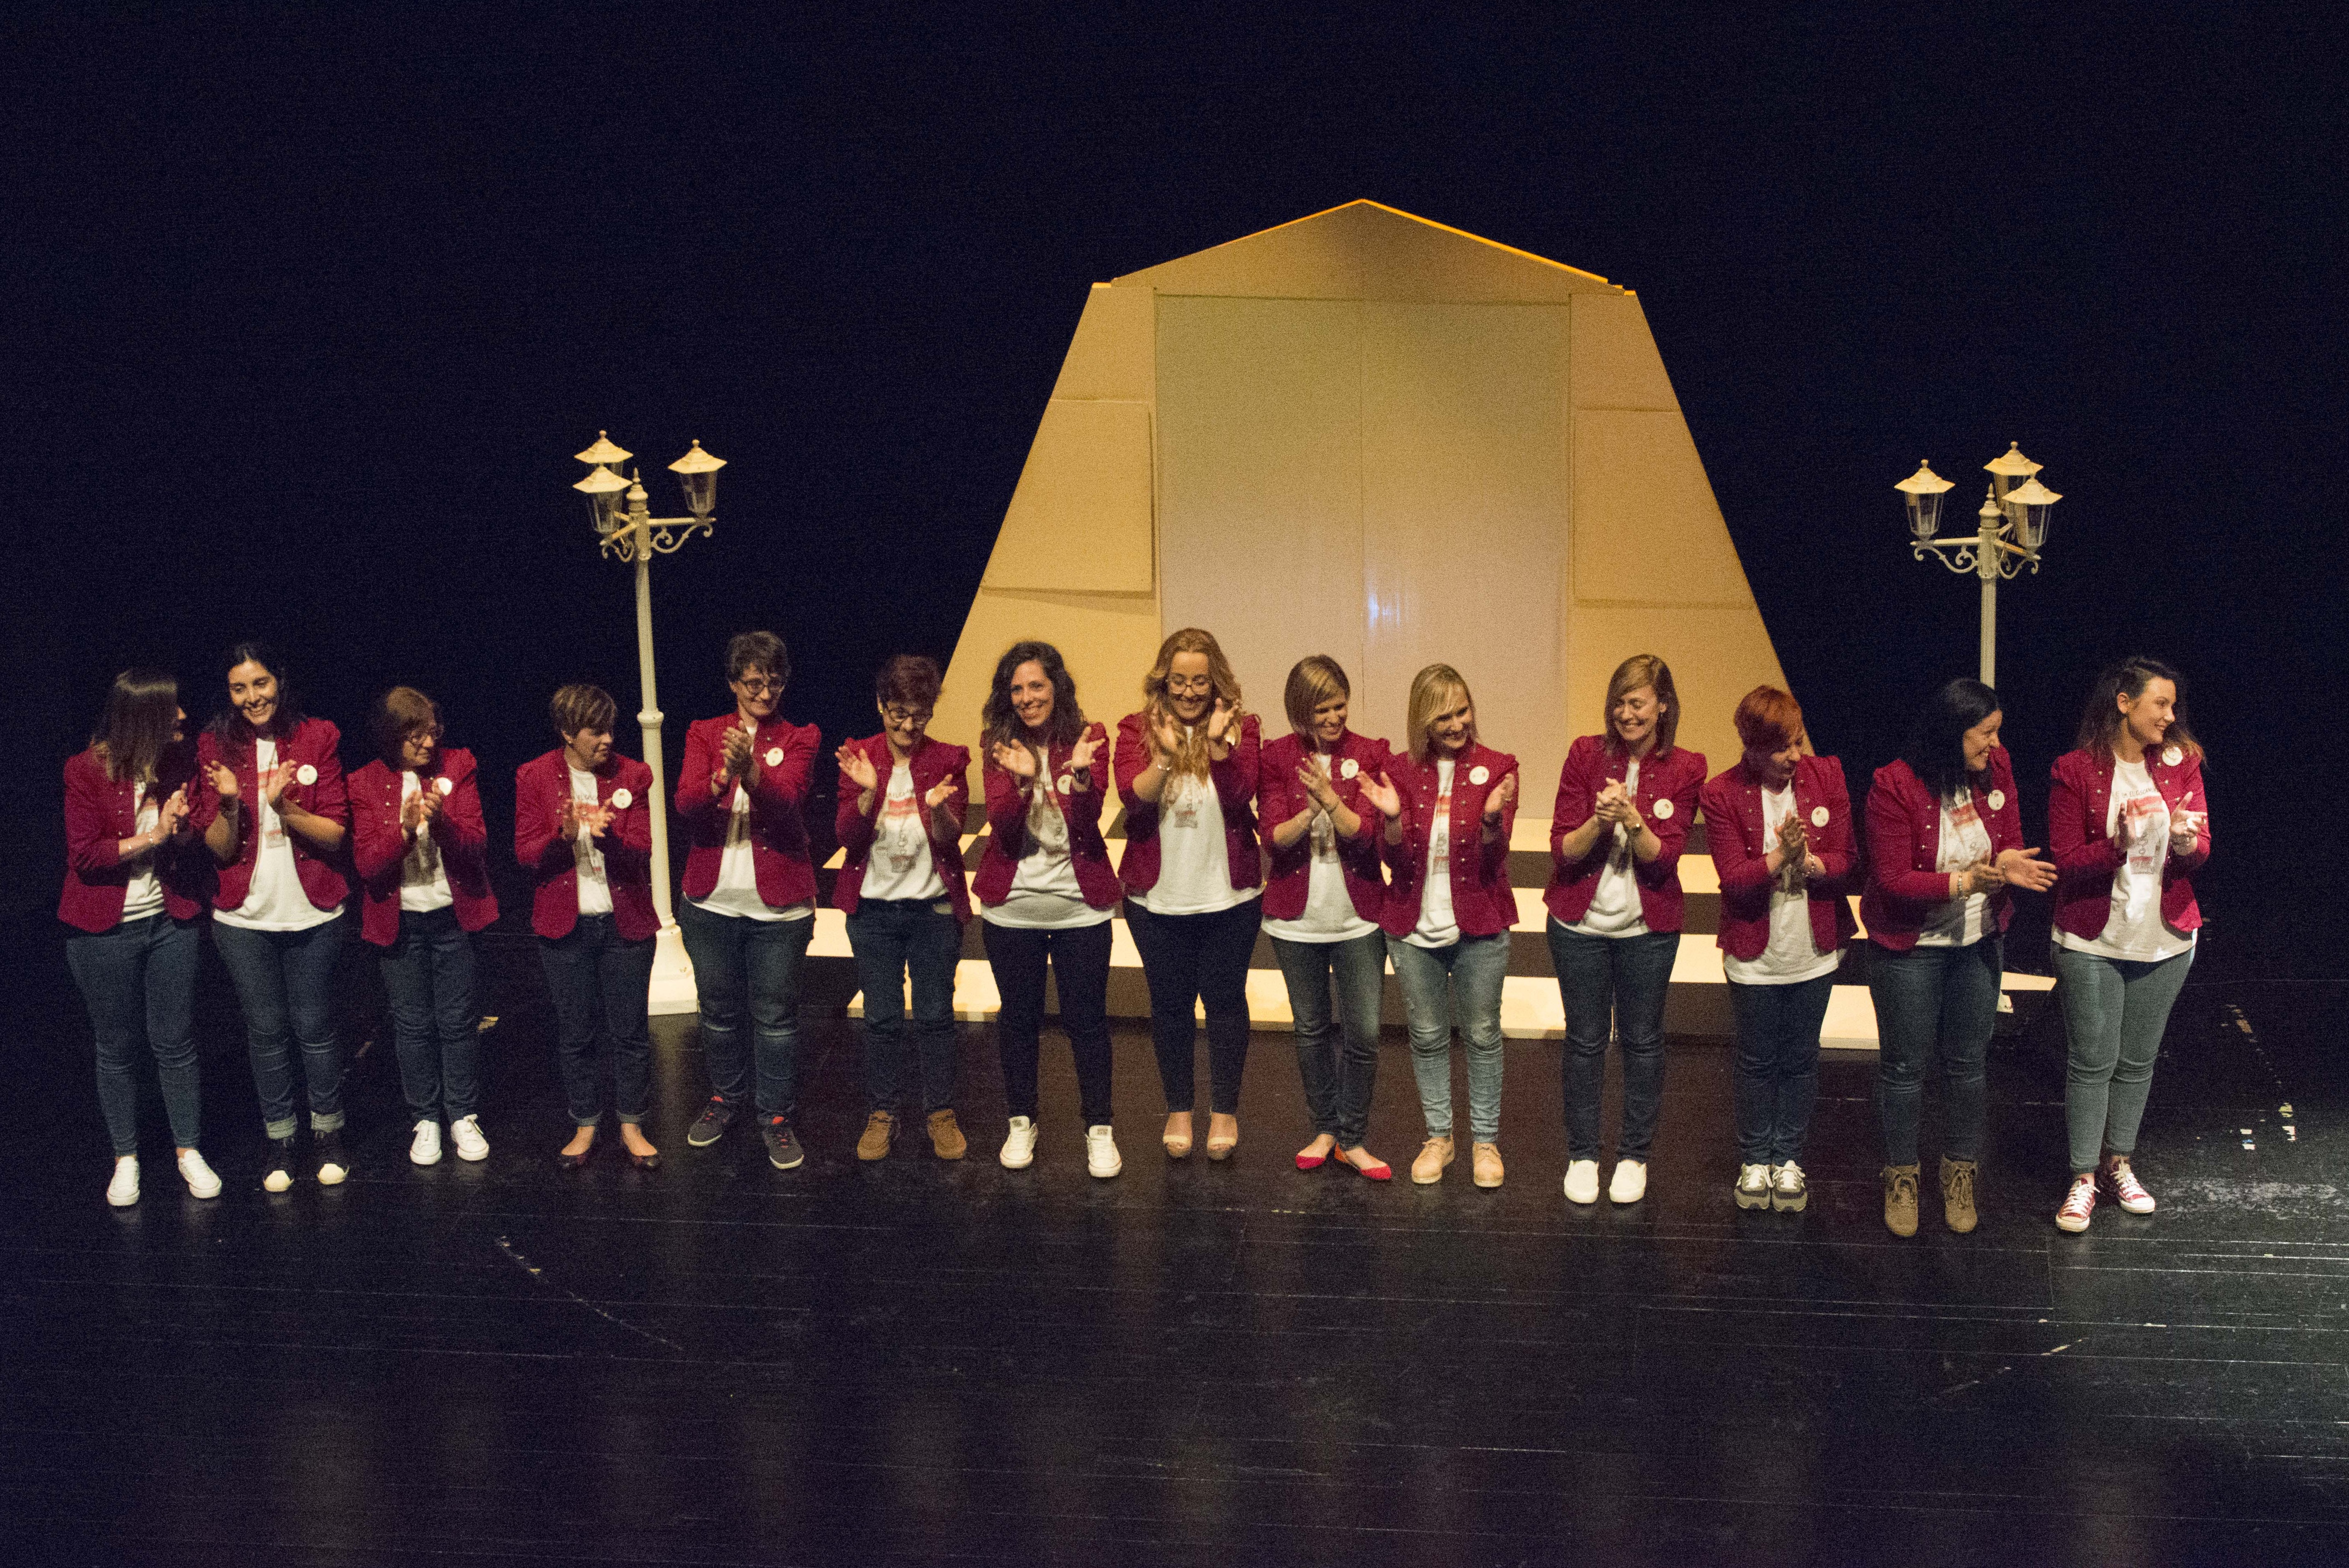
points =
(1192, 1364)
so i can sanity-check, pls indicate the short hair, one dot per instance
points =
(1643, 670)
(1936, 749)
(228, 726)
(1001, 723)
(135, 732)
(749, 650)
(580, 706)
(1316, 679)
(1430, 692)
(399, 713)
(911, 680)
(1768, 720)
(2100, 721)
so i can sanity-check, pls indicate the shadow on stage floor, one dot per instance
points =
(920, 1362)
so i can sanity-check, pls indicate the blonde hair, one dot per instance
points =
(1315, 681)
(1191, 757)
(1431, 693)
(1643, 670)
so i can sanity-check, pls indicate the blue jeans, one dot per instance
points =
(1624, 979)
(427, 977)
(895, 938)
(1776, 1071)
(742, 965)
(1933, 1000)
(287, 978)
(601, 985)
(1472, 969)
(2115, 1011)
(1338, 1079)
(1201, 958)
(139, 979)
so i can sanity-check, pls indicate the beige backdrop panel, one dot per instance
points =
(1648, 527)
(1080, 516)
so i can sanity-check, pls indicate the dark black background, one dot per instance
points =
(305, 313)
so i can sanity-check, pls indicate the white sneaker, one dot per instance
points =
(1631, 1183)
(201, 1182)
(1789, 1193)
(1100, 1152)
(1752, 1188)
(465, 1132)
(1582, 1181)
(1020, 1145)
(425, 1149)
(123, 1190)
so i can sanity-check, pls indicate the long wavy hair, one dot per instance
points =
(1191, 756)
(1431, 690)
(228, 726)
(1000, 723)
(1936, 749)
(135, 731)
(2100, 721)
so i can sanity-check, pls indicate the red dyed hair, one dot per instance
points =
(1768, 719)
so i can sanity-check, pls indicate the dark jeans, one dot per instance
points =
(2114, 1012)
(739, 960)
(894, 939)
(1202, 959)
(601, 983)
(1776, 1071)
(1079, 961)
(1624, 976)
(1338, 1079)
(285, 983)
(139, 980)
(1933, 1000)
(428, 978)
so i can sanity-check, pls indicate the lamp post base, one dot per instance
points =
(672, 989)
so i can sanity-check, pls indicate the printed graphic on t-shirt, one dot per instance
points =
(1184, 809)
(1438, 835)
(901, 832)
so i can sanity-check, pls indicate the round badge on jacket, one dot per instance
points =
(308, 773)
(1479, 774)
(1998, 800)
(624, 797)
(774, 758)
(2171, 755)
(444, 786)
(1818, 816)
(1066, 783)
(1663, 810)
(1349, 768)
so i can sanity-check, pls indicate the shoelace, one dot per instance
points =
(1961, 1184)
(2082, 1199)
(1789, 1169)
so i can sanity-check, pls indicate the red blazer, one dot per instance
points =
(1591, 765)
(1007, 821)
(1234, 779)
(779, 836)
(1734, 831)
(1904, 842)
(100, 813)
(541, 787)
(1482, 901)
(379, 846)
(2085, 858)
(1278, 798)
(313, 743)
(931, 761)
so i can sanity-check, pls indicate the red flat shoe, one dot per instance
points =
(1311, 1161)
(1382, 1171)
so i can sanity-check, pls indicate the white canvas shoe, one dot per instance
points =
(426, 1147)
(1582, 1181)
(465, 1132)
(1100, 1152)
(1631, 1183)
(123, 1190)
(1789, 1192)
(201, 1182)
(1753, 1184)
(1020, 1145)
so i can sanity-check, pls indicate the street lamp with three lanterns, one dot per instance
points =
(2012, 530)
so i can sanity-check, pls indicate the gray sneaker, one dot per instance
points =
(784, 1151)
(711, 1125)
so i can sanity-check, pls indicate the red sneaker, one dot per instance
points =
(2079, 1204)
(2116, 1178)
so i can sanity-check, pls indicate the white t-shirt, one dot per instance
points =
(1194, 873)
(1437, 928)
(1965, 841)
(1615, 910)
(1330, 914)
(2138, 819)
(423, 880)
(737, 892)
(143, 895)
(1792, 955)
(899, 865)
(275, 901)
(1045, 895)
(595, 889)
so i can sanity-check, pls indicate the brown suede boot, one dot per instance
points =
(946, 1137)
(879, 1129)
(1901, 1199)
(1958, 1193)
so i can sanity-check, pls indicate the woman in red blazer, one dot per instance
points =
(1186, 773)
(273, 811)
(1323, 900)
(1448, 804)
(2127, 825)
(1625, 800)
(1944, 845)
(418, 841)
(1046, 889)
(1779, 827)
(584, 831)
(134, 883)
(899, 823)
(749, 895)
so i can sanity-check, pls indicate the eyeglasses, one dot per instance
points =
(757, 687)
(906, 715)
(1190, 685)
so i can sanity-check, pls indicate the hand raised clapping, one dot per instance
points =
(223, 779)
(1503, 795)
(1082, 754)
(1017, 761)
(1381, 793)
(736, 743)
(854, 763)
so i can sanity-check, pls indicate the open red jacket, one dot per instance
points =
(1278, 798)
(312, 745)
(541, 787)
(1740, 849)
(1080, 805)
(380, 846)
(1234, 780)
(1904, 846)
(1667, 802)
(2086, 857)
(1482, 903)
(785, 752)
(931, 761)
(100, 813)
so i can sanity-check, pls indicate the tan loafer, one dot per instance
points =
(1485, 1160)
(1433, 1156)
(946, 1137)
(880, 1127)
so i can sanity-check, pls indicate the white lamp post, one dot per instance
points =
(634, 534)
(2012, 528)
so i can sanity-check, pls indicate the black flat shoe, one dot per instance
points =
(645, 1161)
(575, 1161)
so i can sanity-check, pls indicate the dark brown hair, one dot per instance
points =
(910, 680)
(1000, 723)
(400, 713)
(135, 732)
(749, 650)
(2100, 721)
(1643, 670)
(579, 707)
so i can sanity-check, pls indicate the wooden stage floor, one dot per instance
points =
(1192, 1364)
